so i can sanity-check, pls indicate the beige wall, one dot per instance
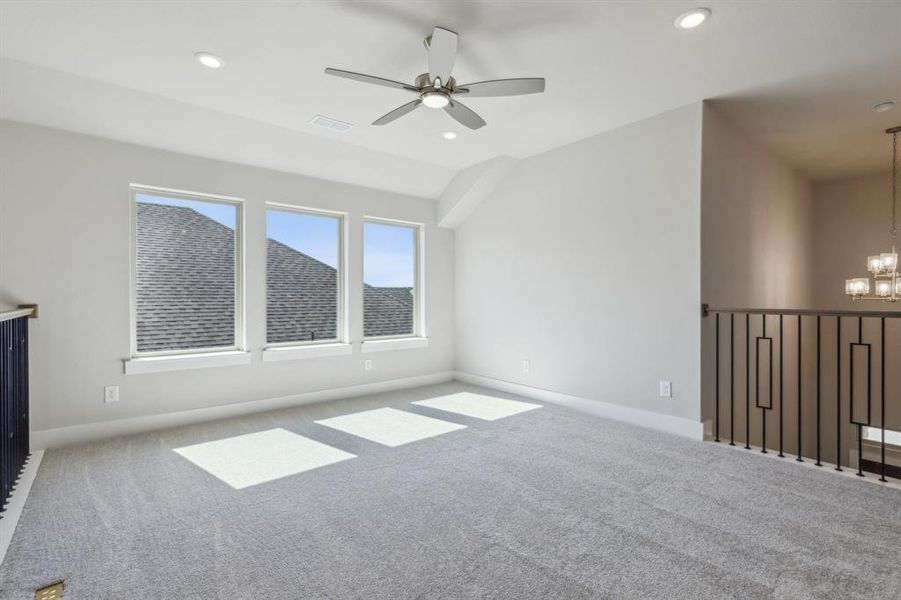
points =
(851, 220)
(757, 223)
(756, 252)
(64, 243)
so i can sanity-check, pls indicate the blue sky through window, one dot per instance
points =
(314, 235)
(389, 251)
(222, 213)
(389, 255)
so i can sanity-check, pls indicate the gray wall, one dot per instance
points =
(586, 261)
(64, 239)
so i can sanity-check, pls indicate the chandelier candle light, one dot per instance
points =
(883, 267)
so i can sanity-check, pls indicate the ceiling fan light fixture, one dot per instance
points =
(692, 18)
(435, 99)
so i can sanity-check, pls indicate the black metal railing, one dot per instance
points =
(14, 449)
(815, 368)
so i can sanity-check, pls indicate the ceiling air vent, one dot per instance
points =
(329, 123)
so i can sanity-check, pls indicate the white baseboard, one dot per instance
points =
(636, 416)
(17, 501)
(78, 434)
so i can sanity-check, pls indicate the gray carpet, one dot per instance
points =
(547, 503)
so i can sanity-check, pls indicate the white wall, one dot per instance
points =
(586, 261)
(64, 239)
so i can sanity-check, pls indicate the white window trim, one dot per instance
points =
(239, 346)
(181, 362)
(419, 327)
(381, 344)
(342, 329)
(873, 436)
(279, 353)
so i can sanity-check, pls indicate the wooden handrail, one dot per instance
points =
(25, 310)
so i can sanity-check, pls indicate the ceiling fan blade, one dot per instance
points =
(398, 112)
(502, 87)
(442, 54)
(464, 115)
(371, 79)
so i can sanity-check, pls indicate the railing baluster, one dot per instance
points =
(800, 396)
(732, 379)
(23, 423)
(4, 393)
(882, 393)
(851, 400)
(838, 393)
(781, 396)
(818, 463)
(747, 381)
(716, 437)
(757, 384)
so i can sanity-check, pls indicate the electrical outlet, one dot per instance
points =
(526, 366)
(666, 389)
(367, 365)
(111, 393)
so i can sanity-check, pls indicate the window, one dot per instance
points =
(391, 281)
(874, 434)
(186, 272)
(304, 276)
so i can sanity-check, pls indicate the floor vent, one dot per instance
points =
(54, 591)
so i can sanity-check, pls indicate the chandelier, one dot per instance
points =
(882, 267)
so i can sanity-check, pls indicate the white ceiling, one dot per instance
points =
(798, 75)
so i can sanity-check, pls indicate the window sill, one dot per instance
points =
(395, 344)
(300, 352)
(181, 362)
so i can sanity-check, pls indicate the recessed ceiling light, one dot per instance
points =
(209, 60)
(449, 135)
(884, 105)
(692, 18)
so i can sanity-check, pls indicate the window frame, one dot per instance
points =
(240, 338)
(419, 329)
(341, 320)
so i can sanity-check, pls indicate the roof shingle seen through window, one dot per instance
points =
(185, 288)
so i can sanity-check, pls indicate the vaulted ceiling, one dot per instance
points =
(800, 76)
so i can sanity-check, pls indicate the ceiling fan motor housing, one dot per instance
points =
(423, 82)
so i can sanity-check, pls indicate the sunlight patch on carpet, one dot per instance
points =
(245, 460)
(390, 427)
(479, 406)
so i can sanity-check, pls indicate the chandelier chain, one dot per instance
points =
(894, 184)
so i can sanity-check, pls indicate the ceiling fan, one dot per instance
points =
(438, 89)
